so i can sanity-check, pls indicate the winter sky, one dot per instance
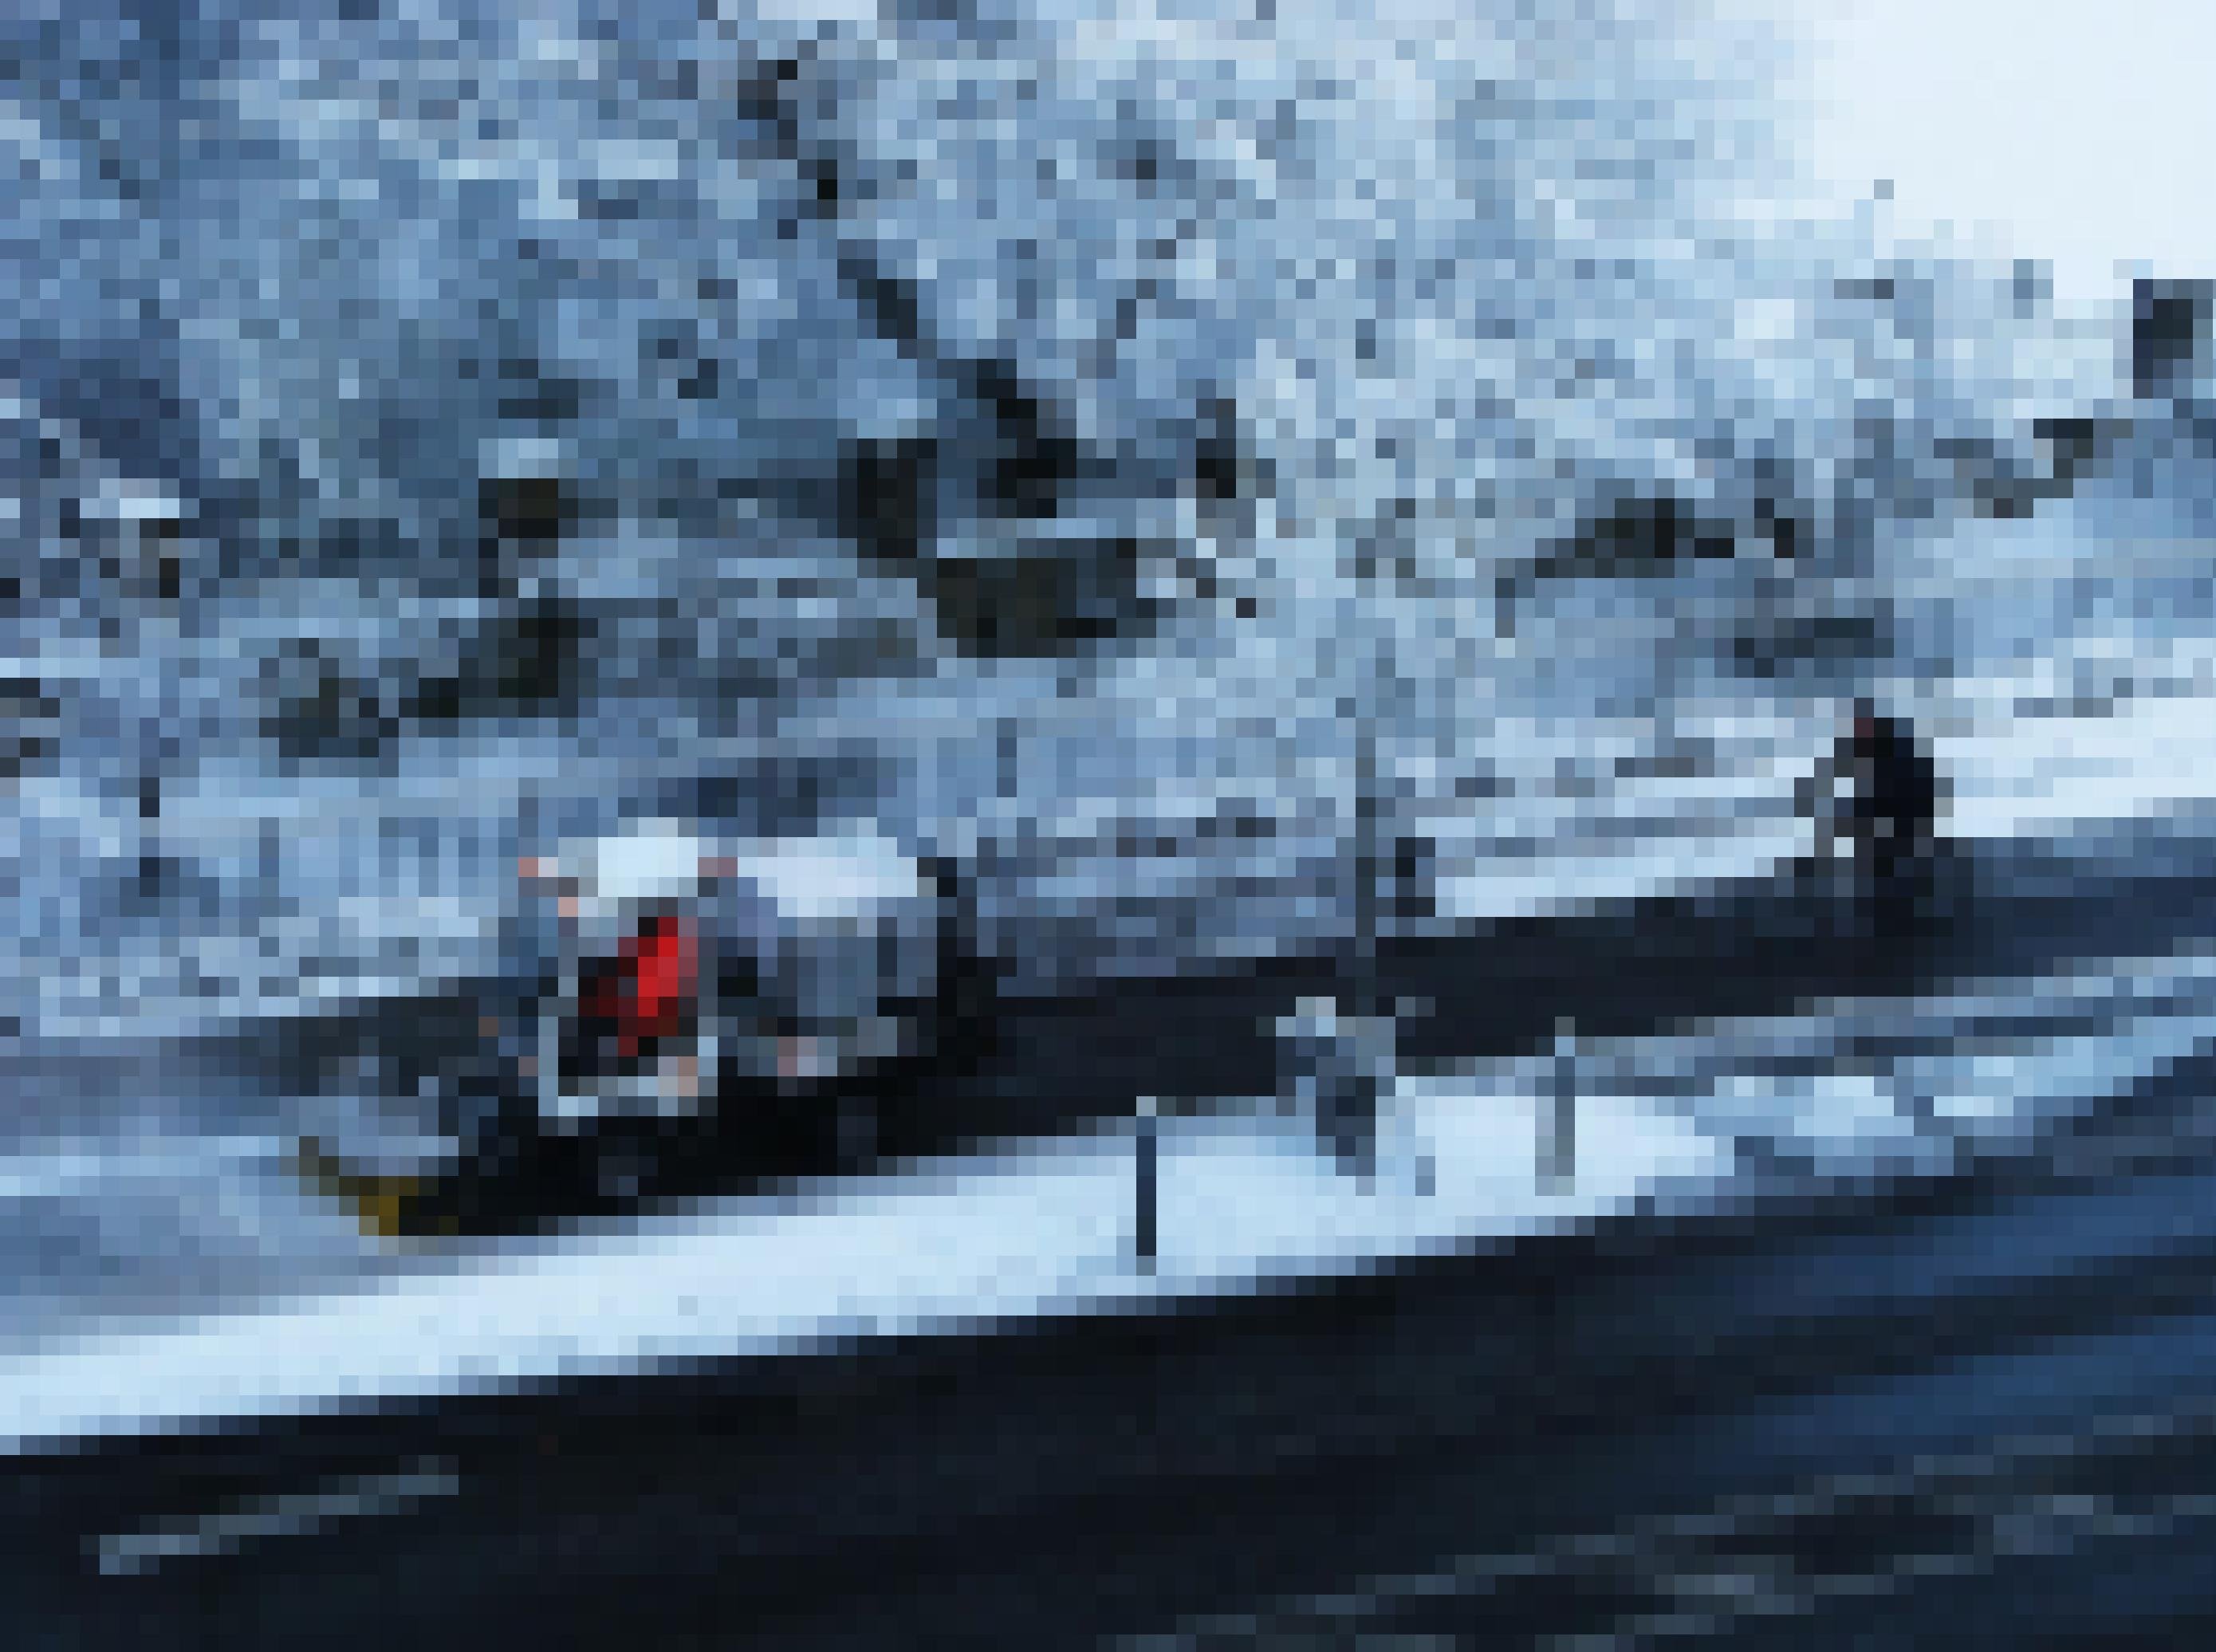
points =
(2077, 130)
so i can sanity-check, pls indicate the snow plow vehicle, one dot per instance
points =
(670, 995)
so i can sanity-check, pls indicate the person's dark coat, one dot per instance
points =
(1894, 802)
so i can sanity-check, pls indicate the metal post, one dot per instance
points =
(1148, 1182)
(1362, 1002)
(1348, 1087)
(708, 944)
(549, 1058)
(1349, 1079)
(550, 1017)
(1558, 1143)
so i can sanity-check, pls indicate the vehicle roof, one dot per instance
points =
(849, 871)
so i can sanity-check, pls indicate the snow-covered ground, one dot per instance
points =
(1242, 1201)
(1855, 1088)
(134, 1192)
(131, 1196)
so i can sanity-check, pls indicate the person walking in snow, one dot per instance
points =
(1877, 797)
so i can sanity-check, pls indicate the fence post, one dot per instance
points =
(1558, 1143)
(1146, 1179)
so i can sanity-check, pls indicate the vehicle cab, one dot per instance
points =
(663, 972)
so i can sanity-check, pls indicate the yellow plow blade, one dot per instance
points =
(380, 1204)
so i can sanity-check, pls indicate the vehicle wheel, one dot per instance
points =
(855, 1122)
(783, 1131)
(962, 1019)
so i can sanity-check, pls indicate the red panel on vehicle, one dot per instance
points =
(665, 976)
(644, 997)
